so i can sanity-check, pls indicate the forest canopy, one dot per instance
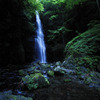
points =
(32, 5)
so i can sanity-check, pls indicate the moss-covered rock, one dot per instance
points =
(58, 63)
(50, 73)
(34, 81)
(8, 96)
(84, 49)
(59, 70)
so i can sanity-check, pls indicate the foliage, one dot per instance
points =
(55, 33)
(93, 23)
(67, 80)
(84, 49)
(69, 3)
(33, 5)
(88, 80)
(30, 7)
(53, 17)
(48, 13)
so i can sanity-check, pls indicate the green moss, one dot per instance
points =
(36, 71)
(50, 73)
(36, 75)
(93, 74)
(48, 65)
(34, 81)
(78, 72)
(67, 80)
(88, 80)
(84, 49)
(94, 82)
(9, 96)
(59, 70)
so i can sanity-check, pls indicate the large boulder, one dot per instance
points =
(34, 81)
(84, 50)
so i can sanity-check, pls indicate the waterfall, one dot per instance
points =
(97, 1)
(39, 41)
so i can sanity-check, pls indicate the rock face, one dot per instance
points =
(84, 50)
(15, 32)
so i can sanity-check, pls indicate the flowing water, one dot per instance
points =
(97, 1)
(39, 41)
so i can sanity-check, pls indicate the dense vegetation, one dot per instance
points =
(62, 21)
(72, 36)
(65, 19)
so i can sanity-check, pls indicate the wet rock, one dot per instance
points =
(33, 70)
(69, 71)
(59, 70)
(44, 65)
(51, 66)
(34, 81)
(58, 63)
(37, 66)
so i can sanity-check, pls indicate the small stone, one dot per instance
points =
(59, 70)
(58, 63)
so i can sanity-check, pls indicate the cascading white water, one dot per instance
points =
(39, 41)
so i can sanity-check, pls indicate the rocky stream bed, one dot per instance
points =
(49, 82)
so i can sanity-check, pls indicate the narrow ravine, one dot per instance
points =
(49, 50)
